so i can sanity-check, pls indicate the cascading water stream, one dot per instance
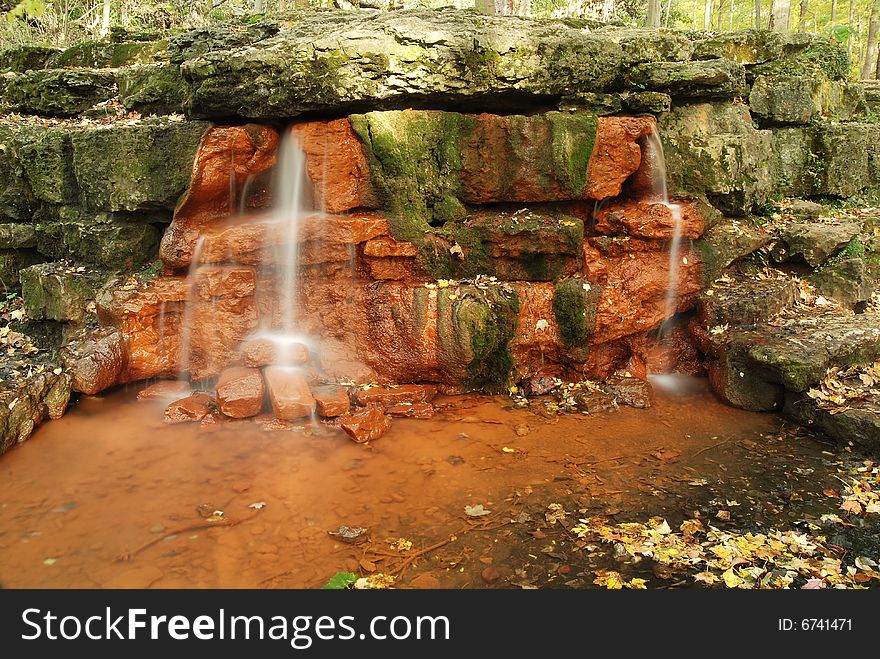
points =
(292, 204)
(660, 194)
(185, 361)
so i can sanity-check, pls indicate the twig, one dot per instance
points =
(709, 448)
(127, 556)
(409, 559)
(591, 464)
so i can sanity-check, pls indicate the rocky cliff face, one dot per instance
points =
(500, 156)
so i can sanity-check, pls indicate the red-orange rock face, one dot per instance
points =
(336, 165)
(227, 157)
(634, 277)
(194, 407)
(367, 299)
(646, 219)
(617, 154)
(331, 401)
(406, 393)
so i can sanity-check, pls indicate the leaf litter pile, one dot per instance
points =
(700, 552)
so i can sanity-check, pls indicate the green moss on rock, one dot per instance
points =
(11, 262)
(26, 57)
(490, 320)
(145, 166)
(58, 291)
(102, 240)
(59, 92)
(153, 88)
(574, 306)
(105, 54)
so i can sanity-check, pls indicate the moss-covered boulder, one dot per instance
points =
(845, 279)
(102, 240)
(807, 53)
(699, 79)
(24, 404)
(16, 198)
(520, 245)
(743, 47)
(59, 291)
(45, 154)
(482, 323)
(714, 149)
(727, 242)
(17, 236)
(223, 36)
(59, 92)
(652, 102)
(846, 153)
(340, 60)
(752, 368)
(859, 425)
(795, 163)
(745, 301)
(800, 99)
(816, 242)
(156, 88)
(144, 166)
(26, 57)
(108, 54)
(645, 45)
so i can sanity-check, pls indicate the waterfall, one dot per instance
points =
(660, 194)
(189, 307)
(292, 203)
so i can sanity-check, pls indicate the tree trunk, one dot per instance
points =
(105, 20)
(732, 6)
(668, 11)
(707, 16)
(833, 12)
(802, 19)
(652, 20)
(849, 47)
(757, 14)
(485, 6)
(258, 7)
(869, 64)
(780, 15)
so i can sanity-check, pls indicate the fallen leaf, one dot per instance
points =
(476, 511)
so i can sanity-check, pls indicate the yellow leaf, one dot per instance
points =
(731, 580)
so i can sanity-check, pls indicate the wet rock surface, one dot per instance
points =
(240, 392)
(331, 400)
(367, 424)
(194, 407)
(289, 393)
(95, 360)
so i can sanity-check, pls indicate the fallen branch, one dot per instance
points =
(127, 556)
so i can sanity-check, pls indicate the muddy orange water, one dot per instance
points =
(109, 496)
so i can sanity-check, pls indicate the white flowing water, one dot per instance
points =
(292, 203)
(186, 322)
(659, 193)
